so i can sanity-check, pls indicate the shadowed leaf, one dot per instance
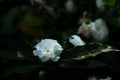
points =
(8, 20)
(83, 52)
(20, 69)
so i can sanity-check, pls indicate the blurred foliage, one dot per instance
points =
(8, 20)
(23, 24)
(110, 2)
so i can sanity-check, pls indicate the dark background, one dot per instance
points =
(13, 39)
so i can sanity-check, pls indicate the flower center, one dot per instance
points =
(47, 50)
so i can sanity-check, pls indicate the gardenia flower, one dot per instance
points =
(76, 41)
(48, 49)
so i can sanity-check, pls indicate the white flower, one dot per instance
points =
(48, 49)
(100, 5)
(97, 30)
(76, 40)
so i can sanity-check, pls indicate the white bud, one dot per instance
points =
(76, 41)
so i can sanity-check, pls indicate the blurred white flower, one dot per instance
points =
(48, 49)
(92, 78)
(76, 41)
(38, 1)
(96, 78)
(85, 29)
(19, 55)
(70, 6)
(97, 30)
(42, 74)
(100, 5)
(107, 78)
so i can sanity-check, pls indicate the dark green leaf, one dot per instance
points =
(83, 52)
(20, 69)
(31, 43)
(95, 64)
(83, 64)
(8, 20)
(9, 55)
(13, 55)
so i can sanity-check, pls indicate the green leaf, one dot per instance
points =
(7, 25)
(83, 52)
(95, 64)
(20, 69)
(13, 55)
(84, 64)
(9, 19)
(31, 43)
(110, 2)
(9, 55)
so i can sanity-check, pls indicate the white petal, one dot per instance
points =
(55, 58)
(51, 55)
(38, 53)
(44, 59)
(35, 52)
(58, 52)
(46, 43)
(58, 49)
